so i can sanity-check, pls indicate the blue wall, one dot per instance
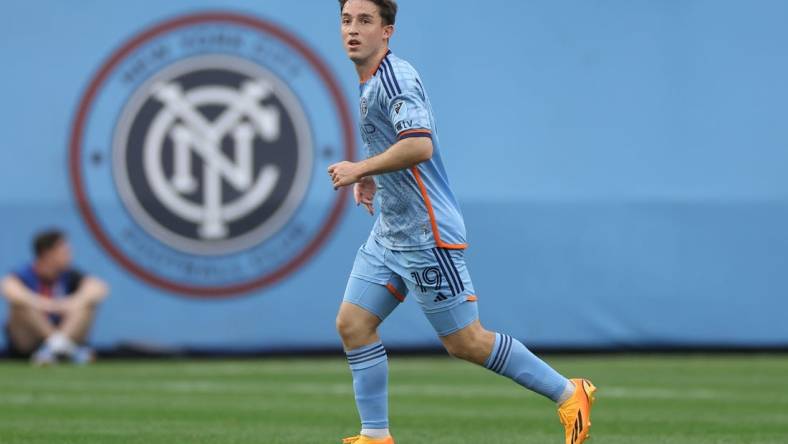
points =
(620, 163)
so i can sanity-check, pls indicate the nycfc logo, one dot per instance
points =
(364, 107)
(224, 163)
(196, 151)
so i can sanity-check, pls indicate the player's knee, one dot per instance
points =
(352, 330)
(342, 325)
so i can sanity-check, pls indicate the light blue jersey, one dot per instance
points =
(418, 209)
(417, 248)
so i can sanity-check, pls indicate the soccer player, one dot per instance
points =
(52, 305)
(417, 243)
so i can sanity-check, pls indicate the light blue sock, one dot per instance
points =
(370, 367)
(513, 360)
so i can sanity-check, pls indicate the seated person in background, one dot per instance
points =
(51, 304)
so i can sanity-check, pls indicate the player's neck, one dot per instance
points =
(367, 68)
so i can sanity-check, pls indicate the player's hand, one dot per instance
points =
(364, 193)
(68, 305)
(46, 305)
(344, 173)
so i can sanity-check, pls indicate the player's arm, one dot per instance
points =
(17, 294)
(91, 290)
(404, 154)
(409, 116)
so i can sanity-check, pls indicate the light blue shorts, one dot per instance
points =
(437, 278)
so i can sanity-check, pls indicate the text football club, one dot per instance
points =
(197, 149)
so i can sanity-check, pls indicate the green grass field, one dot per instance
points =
(641, 399)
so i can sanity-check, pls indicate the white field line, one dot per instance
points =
(262, 387)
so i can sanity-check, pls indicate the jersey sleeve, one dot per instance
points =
(406, 103)
(26, 276)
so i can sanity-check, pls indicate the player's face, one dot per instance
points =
(60, 256)
(363, 31)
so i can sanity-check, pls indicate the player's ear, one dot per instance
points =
(388, 31)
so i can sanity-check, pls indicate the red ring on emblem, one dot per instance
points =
(75, 154)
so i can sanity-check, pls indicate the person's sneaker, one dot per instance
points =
(83, 355)
(43, 357)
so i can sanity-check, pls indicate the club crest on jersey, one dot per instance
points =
(212, 155)
(364, 108)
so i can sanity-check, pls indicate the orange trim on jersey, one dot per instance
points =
(414, 131)
(366, 77)
(472, 298)
(433, 222)
(393, 290)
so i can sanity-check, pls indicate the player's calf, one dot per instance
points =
(368, 363)
(27, 328)
(473, 343)
(78, 320)
(508, 357)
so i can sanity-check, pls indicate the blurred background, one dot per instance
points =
(622, 163)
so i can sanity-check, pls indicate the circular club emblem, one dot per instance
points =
(197, 151)
(364, 108)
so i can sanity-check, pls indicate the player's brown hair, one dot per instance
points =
(46, 241)
(387, 9)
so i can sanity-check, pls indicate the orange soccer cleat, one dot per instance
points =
(575, 412)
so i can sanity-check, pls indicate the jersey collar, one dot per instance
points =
(372, 74)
